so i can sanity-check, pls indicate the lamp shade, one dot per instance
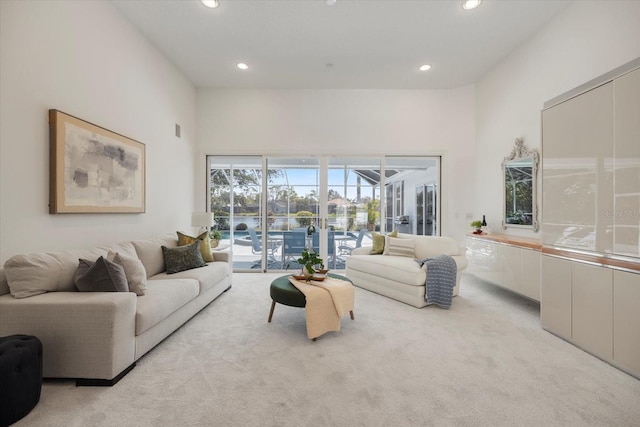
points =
(202, 219)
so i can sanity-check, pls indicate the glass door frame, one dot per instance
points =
(322, 166)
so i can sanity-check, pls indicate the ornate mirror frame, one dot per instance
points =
(521, 154)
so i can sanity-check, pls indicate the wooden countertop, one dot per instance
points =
(621, 263)
(617, 263)
(524, 242)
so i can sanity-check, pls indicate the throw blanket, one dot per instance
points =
(441, 279)
(327, 302)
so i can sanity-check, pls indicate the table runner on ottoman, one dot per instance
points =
(327, 302)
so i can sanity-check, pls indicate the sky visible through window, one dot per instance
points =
(304, 181)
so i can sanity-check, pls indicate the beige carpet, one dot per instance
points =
(485, 362)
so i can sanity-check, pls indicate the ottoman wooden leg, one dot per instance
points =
(273, 305)
(351, 314)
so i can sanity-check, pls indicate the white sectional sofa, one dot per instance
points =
(96, 337)
(401, 277)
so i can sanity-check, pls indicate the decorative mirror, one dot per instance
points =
(519, 171)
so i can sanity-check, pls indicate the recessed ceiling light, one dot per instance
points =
(424, 67)
(471, 4)
(330, 2)
(210, 3)
(242, 66)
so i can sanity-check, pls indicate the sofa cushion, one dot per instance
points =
(133, 269)
(161, 299)
(100, 275)
(35, 274)
(430, 246)
(399, 247)
(207, 276)
(399, 269)
(182, 258)
(205, 244)
(125, 248)
(150, 253)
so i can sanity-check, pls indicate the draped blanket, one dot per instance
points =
(441, 279)
(327, 302)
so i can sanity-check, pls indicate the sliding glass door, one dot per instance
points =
(261, 203)
(412, 185)
(293, 206)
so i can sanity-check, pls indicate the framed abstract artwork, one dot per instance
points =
(93, 170)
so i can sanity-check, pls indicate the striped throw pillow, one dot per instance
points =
(399, 247)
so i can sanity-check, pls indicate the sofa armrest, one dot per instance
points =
(461, 261)
(223, 256)
(84, 334)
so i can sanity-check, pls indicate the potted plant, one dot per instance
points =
(215, 236)
(373, 213)
(309, 261)
(477, 225)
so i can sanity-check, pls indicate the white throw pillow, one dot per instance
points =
(133, 269)
(399, 247)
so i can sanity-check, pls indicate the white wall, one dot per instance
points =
(85, 59)
(587, 40)
(348, 122)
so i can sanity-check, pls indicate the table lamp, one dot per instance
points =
(203, 220)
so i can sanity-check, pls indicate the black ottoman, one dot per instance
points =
(20, 376)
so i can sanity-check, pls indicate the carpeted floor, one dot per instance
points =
(485, 362)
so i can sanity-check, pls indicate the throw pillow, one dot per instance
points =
(205, 244)
(133, 269)
(100, 275)
(399, 247)
(182, 258)
(378, 242)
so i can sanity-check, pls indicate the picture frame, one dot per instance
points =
(92, 169)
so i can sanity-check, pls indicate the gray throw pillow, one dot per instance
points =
(100, 276)
(182, 258)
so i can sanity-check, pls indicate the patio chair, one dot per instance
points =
(331, 249)
(293, 243)
(256, 245)
(345, 249)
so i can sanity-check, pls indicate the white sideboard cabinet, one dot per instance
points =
(510, 262)
(626, 320)
(555, 296)
(594, 307)
(590, 258)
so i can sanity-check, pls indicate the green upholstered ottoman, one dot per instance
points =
(283, 292)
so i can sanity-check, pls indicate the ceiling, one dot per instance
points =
(353, 44)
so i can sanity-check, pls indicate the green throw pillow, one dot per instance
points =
(378, 242)
(182, 258)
